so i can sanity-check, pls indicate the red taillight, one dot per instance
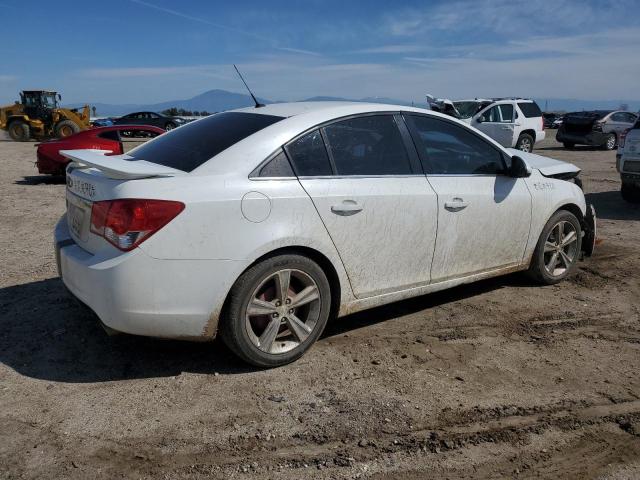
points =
(126, 223)
(623, 137)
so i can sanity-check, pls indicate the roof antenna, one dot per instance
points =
(258, 104)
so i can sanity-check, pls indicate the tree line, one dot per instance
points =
(181, 112)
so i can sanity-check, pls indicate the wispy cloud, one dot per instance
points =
(214, 71)
(8, 78)
(272, 42)
(390, 49)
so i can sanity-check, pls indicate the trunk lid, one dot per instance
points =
(92, 177)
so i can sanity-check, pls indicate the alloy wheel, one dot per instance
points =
(283, 311)
(560, 248)
(611, 142)
(525, 145)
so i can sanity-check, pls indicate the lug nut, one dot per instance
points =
(278, 303)
(275, 315)
(287, 301)
(291, 311)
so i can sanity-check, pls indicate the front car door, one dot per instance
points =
(498, 123)
(484, 216)
(373, 198)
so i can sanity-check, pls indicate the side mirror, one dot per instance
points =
(519, 168)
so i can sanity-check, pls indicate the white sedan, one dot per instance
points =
(260, 224)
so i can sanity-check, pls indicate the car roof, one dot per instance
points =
(299, 117)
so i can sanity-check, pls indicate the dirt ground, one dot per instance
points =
(500, 379)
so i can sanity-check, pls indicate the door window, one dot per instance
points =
(309, 155)
(368, 145)
(449, 149)
(498, 114)
(618, 117)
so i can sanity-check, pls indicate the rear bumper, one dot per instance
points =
(137, 294)
(594, 139)
(540, 135)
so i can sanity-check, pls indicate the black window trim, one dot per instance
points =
(412, 154)
(425, 162)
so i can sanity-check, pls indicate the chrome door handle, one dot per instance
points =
(456, 205)
(346, 208)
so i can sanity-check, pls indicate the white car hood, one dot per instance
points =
(547, 166)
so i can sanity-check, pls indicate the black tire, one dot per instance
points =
(66, 128)
(610, 142)
(233, 326)
(538, 269)
(525, 143)
(568, 144)
(630, 192)
(169, 126)
(19, 131)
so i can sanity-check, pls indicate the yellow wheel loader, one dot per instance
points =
(38, 116)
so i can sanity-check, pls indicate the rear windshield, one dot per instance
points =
(530, 109)
(188, 147)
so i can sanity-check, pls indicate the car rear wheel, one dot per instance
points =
(630, 192)
(19, 131)
(610, 142)
(525, 143)
(558, 249)
(169, 126)
(276, 310)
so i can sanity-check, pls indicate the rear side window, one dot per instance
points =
(530, 109)
(309, 155)
(188, 147)
(278, 166)
(110, 135)
(449, 149)
(369, 145)
(499, 113)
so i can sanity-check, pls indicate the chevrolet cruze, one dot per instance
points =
(262, 223)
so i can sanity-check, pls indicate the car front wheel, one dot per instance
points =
(610, 142)
(276, 310)
(558, 249)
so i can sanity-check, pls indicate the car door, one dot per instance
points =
(498, 123)
(484, 215)
(373, 198)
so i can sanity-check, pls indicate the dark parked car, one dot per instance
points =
(103, 138)
(597, 128)
(548, 119)
(150, 118)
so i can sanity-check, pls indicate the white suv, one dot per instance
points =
(512, 122)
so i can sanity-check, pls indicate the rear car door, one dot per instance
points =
(373, 198)
(484, 216)
(497, 122)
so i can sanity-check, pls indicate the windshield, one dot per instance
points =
(188, 147)
(467, 109)
(49, 100)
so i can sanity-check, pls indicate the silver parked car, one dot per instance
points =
(597, 128)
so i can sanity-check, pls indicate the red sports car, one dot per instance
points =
(104, 138)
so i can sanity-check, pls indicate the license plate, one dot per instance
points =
(76, 219)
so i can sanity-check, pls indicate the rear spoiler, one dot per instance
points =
(119, 166)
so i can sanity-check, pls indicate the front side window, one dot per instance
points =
(617, 117)
(449, 149)
(498, 114)
(368, 145)
(188, 147)
(309, 155)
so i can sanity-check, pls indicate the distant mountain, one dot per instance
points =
(211, 101)
(220, 100)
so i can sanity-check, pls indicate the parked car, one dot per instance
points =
(150, 118)
(549, 119)
(261, 223)
(597, 128)
(102, 122)
(628, 163)
(512, 122)
(50, 161)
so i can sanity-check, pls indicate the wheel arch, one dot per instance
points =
(530, 132)
(320, 258)
(572, 208)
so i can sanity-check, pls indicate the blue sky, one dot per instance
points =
(143, 51)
